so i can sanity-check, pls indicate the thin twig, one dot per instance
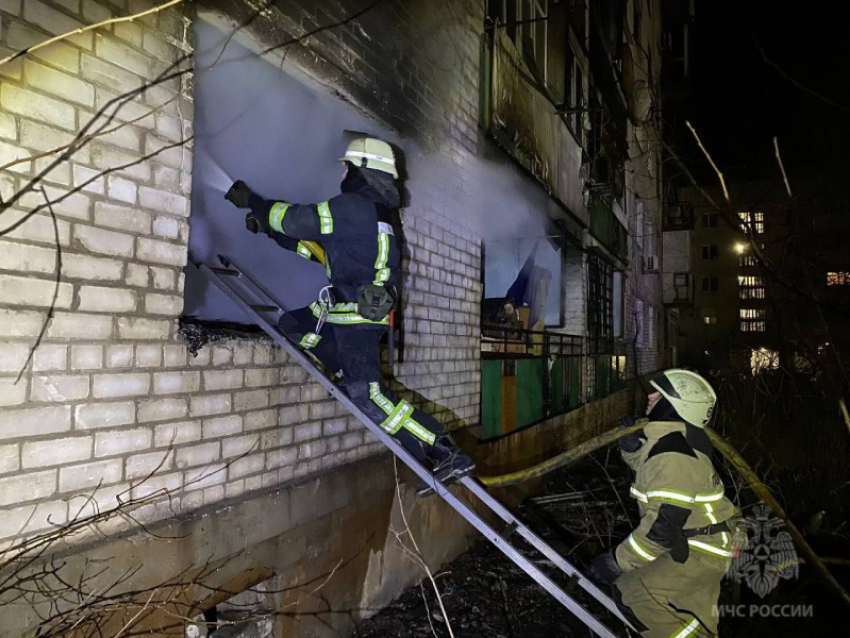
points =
(782, 167)
(97, 25)
(710, 161)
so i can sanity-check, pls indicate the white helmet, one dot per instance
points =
(370, 152)
(691, 396)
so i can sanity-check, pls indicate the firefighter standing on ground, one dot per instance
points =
(667, 573)
(361, 257)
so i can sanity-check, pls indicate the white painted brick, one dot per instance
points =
(32, 486)
(205, 405)
(105, 299)
(10, 459)
(214, 494)
(159, 484)
(59, 388)
(250, 400)
(200, 358)
(38, 454)
(58, 54)
(166, 227)
(323, 410)
(171, 305)
(104, 242)
(20, 323)
(11, 153)
(163, 278)
(120, 356)
(263, 354)
(138, 275)
(174, 382)
(9, 127)
(29, 291)
(167, 434)
(195, 455)
(148, 356)
(251, 464)
(90, 475)
(237, 446)
(143, 465)
(291, 415)
(162, 410)
(205, 477)
(76, 266)
(242, 354)
(122, 441)
(312, 449)
(119, 161)
(137, 328)
(221, 356)
(222, 426)
(281, 457)
(160, 252)
(130, 32)
(307, 431)
(104, 415)
(333, 427)
(29, 422)
(121, 189)
(222, 379)
(37, 228)
(128, 384)
(13, 356)
(86, 357)
(105, 499)
(77, 325)
(174, 356)
(163, 201)
(95, 12)
(258, 377)
(27, 258)
(122, 217)
(29, 519)
(37, 106)
(50, 356)
(285, 394)
(260, 419)
(48, 18)
(12, 392)
(89, 179)
(118, 53)
(58, 84)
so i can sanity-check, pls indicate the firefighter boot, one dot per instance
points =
(450, 464)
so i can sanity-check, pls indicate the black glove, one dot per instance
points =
(239, 195)
(627, 421)
(604, 569)
(257, 223)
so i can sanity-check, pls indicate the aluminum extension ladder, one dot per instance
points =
(260, 305)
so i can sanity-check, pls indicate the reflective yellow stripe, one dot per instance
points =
(635, 492)
(418, 431)
(326, 220)
(709, 549)
(304, 251)
(395, 420)
(310, 340)
(640, 551)
(687, 630)
(676, 496)
(345, 314)
(378, 398)
(382, 273)
(276, 216)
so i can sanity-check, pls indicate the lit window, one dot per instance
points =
(752, 319)
(838, 279)
(747, 261)
(763, 359)
(752, 222)
(753, 326)
(709, 251)
(752, 313)
(710, 320)
(750, 287)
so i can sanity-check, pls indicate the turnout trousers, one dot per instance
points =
(670, 599)
(355, 349)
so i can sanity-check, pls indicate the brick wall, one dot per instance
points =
(111, 403)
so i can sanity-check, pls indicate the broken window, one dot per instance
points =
(752, 222)
(600, 301)
(763, 359)
(709, 284)
(838, 279)
(750, 287)
(709, 252)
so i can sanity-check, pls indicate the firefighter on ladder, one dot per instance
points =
(353, 234)
(667, 573)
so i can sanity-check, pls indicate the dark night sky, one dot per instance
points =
(738, 102)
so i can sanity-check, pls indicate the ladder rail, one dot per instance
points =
(456, 503)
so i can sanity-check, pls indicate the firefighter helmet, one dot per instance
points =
(691, 396)
(370, 152)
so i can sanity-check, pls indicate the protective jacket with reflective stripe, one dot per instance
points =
(354, 229)
(677, 490)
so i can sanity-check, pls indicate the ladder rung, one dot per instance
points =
(261, 308)
(225, 271)
(509, 529)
